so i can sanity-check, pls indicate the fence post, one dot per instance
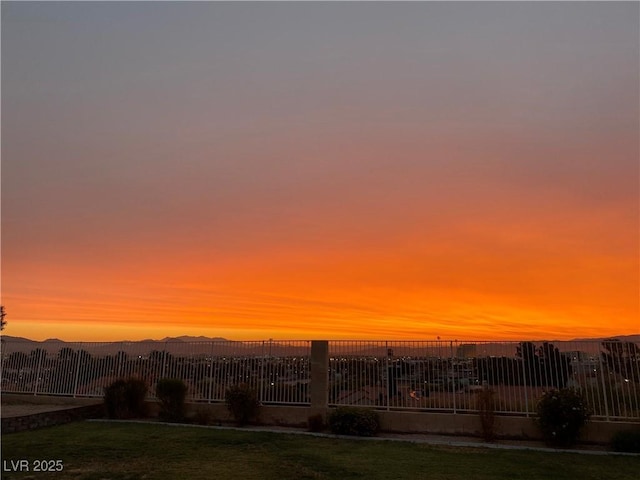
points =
(319, 387)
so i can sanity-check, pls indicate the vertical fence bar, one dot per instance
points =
(262, 379)
(163, 357)
(119, 359)
(210, 375)
(604, 390)
(525, 388)
(454, 377)
(615, 389)
(388, 376)
(77, 375)
(41, 355)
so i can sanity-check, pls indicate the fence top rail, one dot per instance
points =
(582, 350)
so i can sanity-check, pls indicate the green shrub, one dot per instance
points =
(561, 416)
(316, 423)
(485, 401)
(126, 398)
(172, 393)
(626, 441)
(115, 399)
(136, 396)
(362, 422)
(242, 402)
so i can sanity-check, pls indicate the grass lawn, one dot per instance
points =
(121, 451)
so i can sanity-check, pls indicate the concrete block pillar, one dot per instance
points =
(319, 387)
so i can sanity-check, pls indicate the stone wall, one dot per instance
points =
(48, 419)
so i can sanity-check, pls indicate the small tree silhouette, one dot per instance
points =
(545, 365)
(622, 358)
(556, 367)
(3, 314)
(527, 351)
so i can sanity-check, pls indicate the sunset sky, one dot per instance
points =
(320, 170)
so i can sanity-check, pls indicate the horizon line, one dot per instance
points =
(203, 339)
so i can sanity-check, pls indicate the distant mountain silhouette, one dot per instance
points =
(183, 338)
(15, 339)
(201, 345)
(622, 338)
(201, 338)
(183, 344)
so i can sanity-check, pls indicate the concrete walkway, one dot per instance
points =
(21, 405)
(9, 411)
(438, 440)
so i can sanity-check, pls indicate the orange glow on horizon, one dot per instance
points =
(360, 296)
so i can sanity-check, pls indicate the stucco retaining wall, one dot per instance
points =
(517, 428)
(507, 427)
